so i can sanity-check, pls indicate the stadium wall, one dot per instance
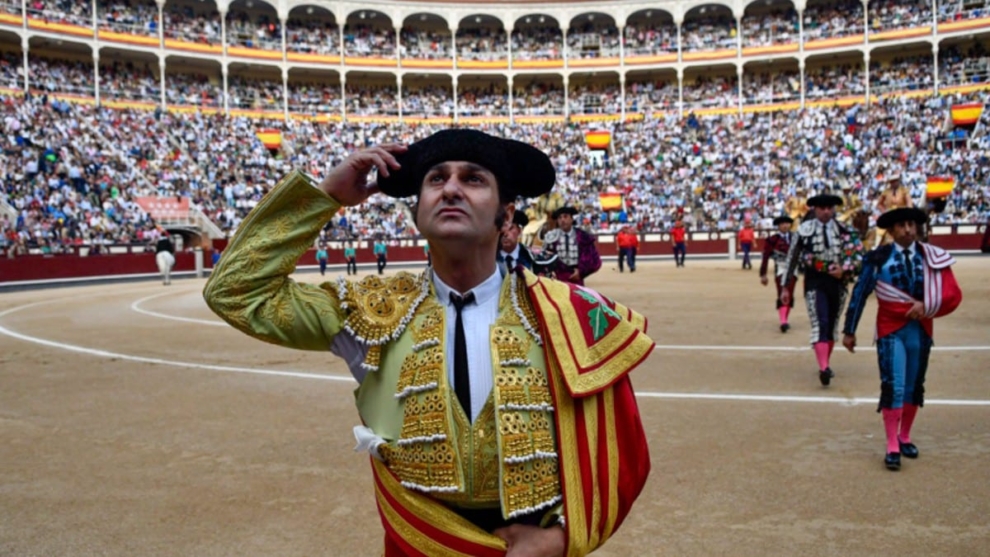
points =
(53, 270)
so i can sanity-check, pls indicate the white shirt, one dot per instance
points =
(477, 319)
(504, 257)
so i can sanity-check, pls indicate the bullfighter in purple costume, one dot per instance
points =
(577, 250)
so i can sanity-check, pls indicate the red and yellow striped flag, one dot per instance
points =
(271, 138)
(610, 201)
(598, 139)
(940, 186)
(966, 114)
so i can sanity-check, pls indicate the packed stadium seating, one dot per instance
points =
(713, 117)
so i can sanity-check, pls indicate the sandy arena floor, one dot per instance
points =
(134, 422)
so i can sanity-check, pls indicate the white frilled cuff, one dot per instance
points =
(367, 441)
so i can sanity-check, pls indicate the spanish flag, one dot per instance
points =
(598, 139)
(610, 201)
(271, 138)
(966, 114)
(940, 186)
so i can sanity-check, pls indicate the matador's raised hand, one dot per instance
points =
(348, 181)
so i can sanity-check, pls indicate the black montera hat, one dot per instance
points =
(521, 169)
(824, 200)
(894, 216)
(567, 210)
(781, 219)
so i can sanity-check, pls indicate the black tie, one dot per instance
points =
(909, 269)
(508, 262)
(462, 381)
(825, 235)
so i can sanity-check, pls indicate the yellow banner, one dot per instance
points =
(610, 201)
(940, 186)
(966, 114)
(272, 139)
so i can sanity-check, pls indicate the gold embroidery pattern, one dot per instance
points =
(430, 329)
(423, 457)
(380, 310)
(526, 483)
(524, 414)
(420, 372)
(478, 457)
(510, 347)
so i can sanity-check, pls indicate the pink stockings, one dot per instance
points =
(897, 424)
(783, 311)
(891, 422)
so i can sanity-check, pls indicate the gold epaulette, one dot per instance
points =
(379, 309)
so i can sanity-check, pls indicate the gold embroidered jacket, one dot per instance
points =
(405, 398)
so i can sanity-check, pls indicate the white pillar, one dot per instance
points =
(508, 37)
(224, 72)
(161, 75)
(285, 90)
(285, 41)
(161, 22)
(680, 90)
(512, 109)
(398, 94)
(453, 82)
(453, 45)
(343, 95)
(223, 28)
(739, 34)
(866, 74)
(25, 46)
(622, 97)
(739, 86)
(398, 46)
(565, 48)
(935, 58)
(96, 76)
(800, 13)
(567, 97)
(802, 69)
(866, 22)
(622, 46)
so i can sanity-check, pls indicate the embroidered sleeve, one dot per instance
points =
(793, 255)
(864, 286)
(250, 288)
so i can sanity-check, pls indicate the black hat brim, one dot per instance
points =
(825, 200)
(521, 169)
(777, 221)
(520, 219)
(564, 211)
(903, 214)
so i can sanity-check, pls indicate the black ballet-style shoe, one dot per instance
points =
(785, 327)
(909, 450)
(826, 376)
(892, 461)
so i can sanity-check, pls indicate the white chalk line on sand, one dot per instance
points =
(849, 401)
(136, 306)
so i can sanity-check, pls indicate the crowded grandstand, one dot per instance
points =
(716, 116)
